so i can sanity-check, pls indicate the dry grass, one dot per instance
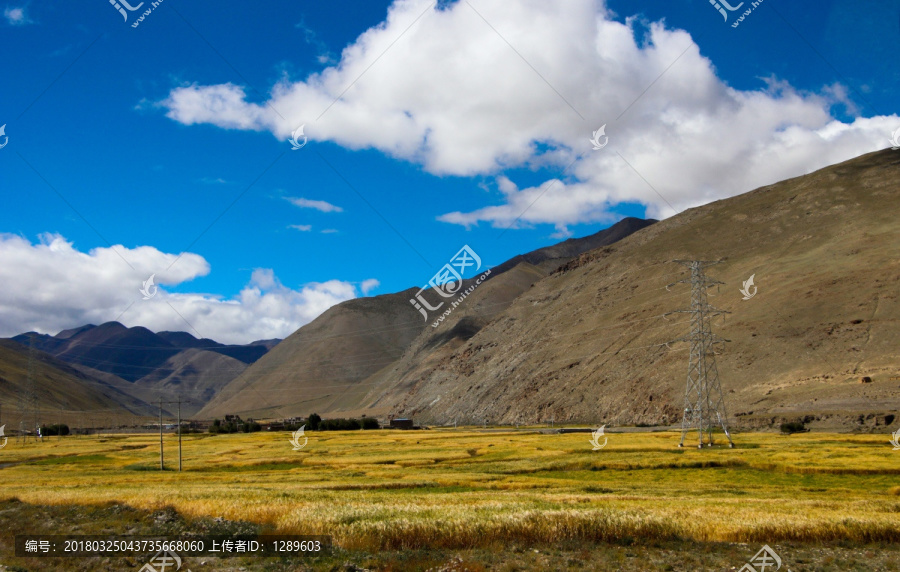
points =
(382, 490)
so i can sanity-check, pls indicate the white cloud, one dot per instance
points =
(479, 109)
(16, 16)
(222, 105)
(301, 227)
(323, 206)
(51, 286)
(369, 285)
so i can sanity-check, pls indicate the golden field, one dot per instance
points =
(469, 488)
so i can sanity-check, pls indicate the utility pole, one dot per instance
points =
(179, 434)
(161, 403)
(162, 466)
(704, 404)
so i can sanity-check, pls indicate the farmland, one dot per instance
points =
(444, 492)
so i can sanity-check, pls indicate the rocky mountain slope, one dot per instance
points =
(820, 340)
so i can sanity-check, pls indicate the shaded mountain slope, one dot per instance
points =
(63, 392)
(193, 375)
(318, 363)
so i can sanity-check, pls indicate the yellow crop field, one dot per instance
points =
(471, 488)
(463, 488)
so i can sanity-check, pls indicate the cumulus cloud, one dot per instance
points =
(51, 286)
(323, 206)
(482, 108)
(16, 16)
(301, 227)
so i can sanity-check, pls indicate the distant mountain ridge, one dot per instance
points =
(132, 353)
(149, 366)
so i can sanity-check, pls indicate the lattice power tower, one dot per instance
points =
(704, 404)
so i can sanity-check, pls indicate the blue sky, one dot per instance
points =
(450, 124)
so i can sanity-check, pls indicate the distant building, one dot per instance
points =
(401, 423)
(232, 419)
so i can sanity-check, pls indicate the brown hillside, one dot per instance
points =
(588, 343)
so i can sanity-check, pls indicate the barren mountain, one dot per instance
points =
(819, 340)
